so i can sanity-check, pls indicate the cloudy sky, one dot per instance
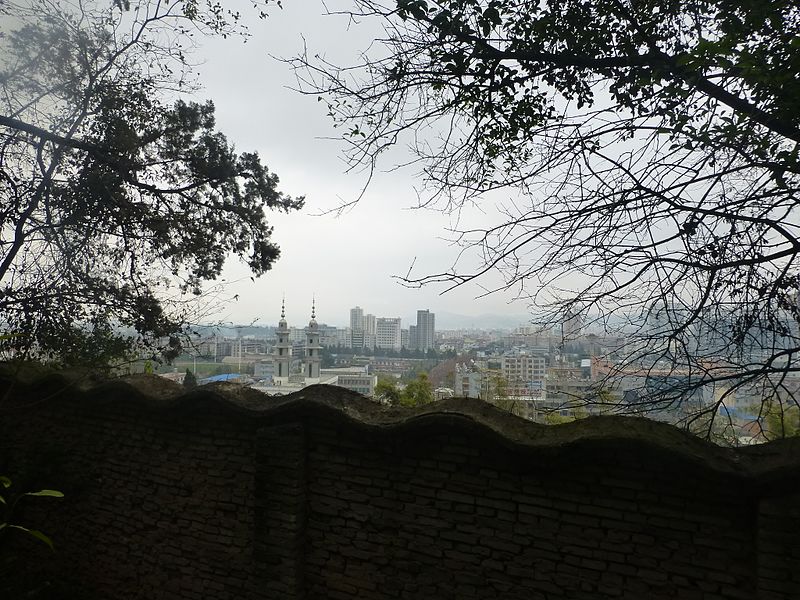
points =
(347, 260)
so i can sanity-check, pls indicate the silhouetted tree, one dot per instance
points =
(652, 152)
(189, 380)
(119, 198)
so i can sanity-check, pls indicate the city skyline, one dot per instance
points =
(299, 315)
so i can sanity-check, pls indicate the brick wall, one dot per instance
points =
(224, 493)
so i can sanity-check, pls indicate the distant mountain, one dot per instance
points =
(258, 331)
(446, 320)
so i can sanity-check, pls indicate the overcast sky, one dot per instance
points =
(344, 261)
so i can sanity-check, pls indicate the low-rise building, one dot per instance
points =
(467, 382)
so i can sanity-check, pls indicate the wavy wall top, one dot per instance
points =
(770, 462)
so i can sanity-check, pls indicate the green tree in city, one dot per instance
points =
(782, 419)
(417, 392)
(497, 394)
(386, 389)
(495, 386)
(189, 380)
(555, 417)
(603, 400)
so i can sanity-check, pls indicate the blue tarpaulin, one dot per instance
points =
(223, 377)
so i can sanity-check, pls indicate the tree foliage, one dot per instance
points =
(781, 421)
(387, 391)
(416, 392)
(120, 199)
(643, 158)
(189, 380)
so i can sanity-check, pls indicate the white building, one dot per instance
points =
(297, 335)
(357, 318)
(328, 336)
(357, 332)
(285, 382)
(282, 353)
(387, 333)
(313, 348)
(370, 323)
(356, 379)
(344, 337)
(522, 374)
(264, 369)
(467, 382)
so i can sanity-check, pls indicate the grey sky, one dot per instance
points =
(345, 261)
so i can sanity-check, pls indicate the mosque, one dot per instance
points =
(284, 381)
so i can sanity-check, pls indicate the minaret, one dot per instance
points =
(311, 368)
(282, 355)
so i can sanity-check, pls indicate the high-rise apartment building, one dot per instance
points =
(297, 335)
(357, 318)
(370, 323)
(425, 332)
(357, 339)
(572, 325)
(357, 327)
(344, 337)
(387, 333)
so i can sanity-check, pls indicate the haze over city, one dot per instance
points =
(346, 260)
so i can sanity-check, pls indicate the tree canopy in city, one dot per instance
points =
(416, 392)
(637, 162)
(120, 198)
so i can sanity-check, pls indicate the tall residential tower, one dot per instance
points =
(425, 331)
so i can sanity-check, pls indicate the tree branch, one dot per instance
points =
(49, 136)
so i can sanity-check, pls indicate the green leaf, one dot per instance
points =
(5, 481)
(47, 493)
(34, 533)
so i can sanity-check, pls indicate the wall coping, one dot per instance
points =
(28, 389)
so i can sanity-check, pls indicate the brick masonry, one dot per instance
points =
(225, 493)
